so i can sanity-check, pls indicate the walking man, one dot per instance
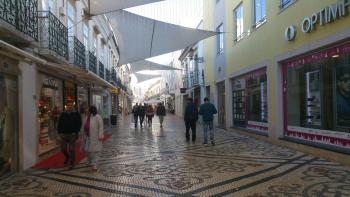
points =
(142, 113)
(161, 113)
(207, 110)
(135, 111)
(191, 117)
(69, 125)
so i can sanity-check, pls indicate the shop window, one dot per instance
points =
(317, 97)
(49, 109)
(249, 98)
(8, 124)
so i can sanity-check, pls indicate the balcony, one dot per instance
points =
(92, 63)
(77, 52)
(53, 37)
(101, 70)
(19, 21)
(114, 76)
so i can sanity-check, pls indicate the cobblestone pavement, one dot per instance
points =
(159, 162)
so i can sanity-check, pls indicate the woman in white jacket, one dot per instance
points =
(92, 136)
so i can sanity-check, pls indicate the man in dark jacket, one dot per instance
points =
(69, 125)
(142, 113)
(161, 113)
(135, 111)
(191, 117)
(207, 110)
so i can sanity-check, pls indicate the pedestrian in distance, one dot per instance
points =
(92, 136)
(142, 113)
(149, 114)
(207, 110)
(135, 111)
(191, 118)
(161, 113)
(69, 124)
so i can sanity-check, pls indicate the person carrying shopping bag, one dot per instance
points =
(149, 114)
(92, 136)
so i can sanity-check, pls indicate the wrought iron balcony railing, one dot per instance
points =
(54, 35)
(77, 54)
(92, 63)
(114, 76)
(22, 14)
(108, 75)
(101, 70)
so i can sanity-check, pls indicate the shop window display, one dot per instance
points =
(8, 124)
(249, 98)
(50, 107)
(317, 100)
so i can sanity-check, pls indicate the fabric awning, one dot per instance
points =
(147, 65)
(140, 38)
(104, 6)
(143, 77)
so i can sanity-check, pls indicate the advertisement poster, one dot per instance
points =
(343, 96)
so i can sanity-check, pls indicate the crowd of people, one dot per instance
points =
(141, 111)
(192, 111)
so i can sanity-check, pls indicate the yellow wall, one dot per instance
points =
(267, 41)
(209, 43)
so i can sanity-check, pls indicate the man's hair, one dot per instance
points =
(93, 110)
(206, 99)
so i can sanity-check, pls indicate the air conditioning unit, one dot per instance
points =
(62, 11)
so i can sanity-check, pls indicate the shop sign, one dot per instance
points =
(50, 83)
(324, 16)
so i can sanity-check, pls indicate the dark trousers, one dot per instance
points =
(135, 120)
(142, 118)
(68, 148)
(192, 125)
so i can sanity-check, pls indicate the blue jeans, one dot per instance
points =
(208, 125)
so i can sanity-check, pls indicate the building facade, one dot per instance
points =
(287, 65)
(51, 52)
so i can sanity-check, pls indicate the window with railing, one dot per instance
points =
(259, 12)
(77, 53)
(238, 20)
(101, 70)
(55, 32)
(71, 19)
(92, 63)
(21, 14)
(108, 75)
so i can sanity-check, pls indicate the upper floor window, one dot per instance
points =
(94, 46)
(238, 19)
(86, 35)
(286, 3)
(259, 11)
(217, 1)
(71, 19)
(47, 5)
(220, 39)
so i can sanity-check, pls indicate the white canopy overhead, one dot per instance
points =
(143, 77)
(104, 6)
(147, 65)
(140, 38)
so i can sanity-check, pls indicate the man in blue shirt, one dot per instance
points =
(207, 110)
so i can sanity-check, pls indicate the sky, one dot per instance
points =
(186, 13)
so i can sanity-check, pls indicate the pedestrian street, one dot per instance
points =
(160, 162)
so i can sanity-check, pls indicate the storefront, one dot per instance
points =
(100, 98)
(50, 106)
(8, 116)
(249, 101)
(317, 97)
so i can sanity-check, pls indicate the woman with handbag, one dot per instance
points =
(92, 136)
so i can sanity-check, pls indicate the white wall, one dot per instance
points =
(28, 122)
